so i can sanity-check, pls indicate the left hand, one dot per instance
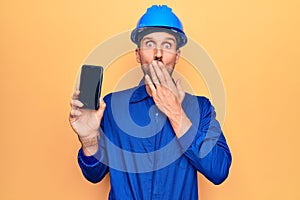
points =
(167, 95)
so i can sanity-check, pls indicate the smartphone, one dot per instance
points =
(90, 86)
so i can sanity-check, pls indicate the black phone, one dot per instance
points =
(90, 86)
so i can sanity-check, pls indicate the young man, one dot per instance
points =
(152, 139)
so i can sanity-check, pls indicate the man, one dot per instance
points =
(152, 139)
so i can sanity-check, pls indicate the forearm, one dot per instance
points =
(180, 122)
(212, 159)
(93, 167)
(204, 143)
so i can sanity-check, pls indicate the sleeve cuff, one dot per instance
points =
(89, 160)
(188, 139)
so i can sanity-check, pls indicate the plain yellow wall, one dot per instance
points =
(255, 45)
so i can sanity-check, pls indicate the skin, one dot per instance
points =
(158, 56)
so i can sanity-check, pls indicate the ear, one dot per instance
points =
(177, 56)
(137, 55)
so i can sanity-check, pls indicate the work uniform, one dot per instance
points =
(144, 158)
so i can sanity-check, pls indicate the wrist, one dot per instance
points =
(88, 135)
(175, 115)
(180, 123)
(89, 143)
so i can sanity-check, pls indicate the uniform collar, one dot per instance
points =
(139, 93)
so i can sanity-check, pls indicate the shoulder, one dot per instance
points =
(119, 94)
(202, 100)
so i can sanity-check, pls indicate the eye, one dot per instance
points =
(167, 45)
(149, 44)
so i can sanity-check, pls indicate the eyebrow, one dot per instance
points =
(169, 38)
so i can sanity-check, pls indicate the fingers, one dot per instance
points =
(74, 114)
(166, 75)
(158, 73)
(153, 75)
(161, 74)
(160, 77)
(75, 94)
(151, 85)
(76, 104)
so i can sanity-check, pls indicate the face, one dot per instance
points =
(158, 46)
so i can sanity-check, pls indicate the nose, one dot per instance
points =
(158, 54)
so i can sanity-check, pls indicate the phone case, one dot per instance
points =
(90, 86)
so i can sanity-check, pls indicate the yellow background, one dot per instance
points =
(254, 43)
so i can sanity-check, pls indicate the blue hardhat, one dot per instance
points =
(156, 19)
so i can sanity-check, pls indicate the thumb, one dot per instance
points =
(100, 111)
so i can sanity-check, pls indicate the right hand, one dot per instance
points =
(85, 122)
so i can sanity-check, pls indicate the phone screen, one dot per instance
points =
(90, 86)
